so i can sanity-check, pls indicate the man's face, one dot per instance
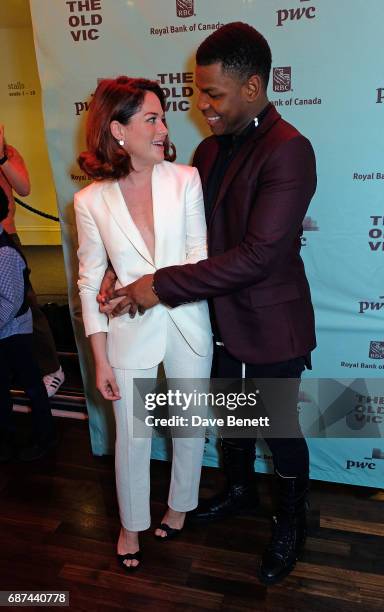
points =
(222, 99)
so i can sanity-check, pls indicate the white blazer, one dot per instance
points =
(106, 230)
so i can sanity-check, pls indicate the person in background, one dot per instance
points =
(14, 177)
(16, 352)
(259, 175)
(141, 212)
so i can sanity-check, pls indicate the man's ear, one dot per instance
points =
(116, 130)
(253, 87)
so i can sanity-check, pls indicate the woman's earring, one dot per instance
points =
(121, 142)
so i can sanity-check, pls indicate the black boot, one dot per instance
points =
(289, 530)
(240, 497)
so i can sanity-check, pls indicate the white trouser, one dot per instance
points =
(132, 454)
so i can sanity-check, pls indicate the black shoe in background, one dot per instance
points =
(38, 450)
(240, 496)
(236, 500)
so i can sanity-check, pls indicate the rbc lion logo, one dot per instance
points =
(185, 8)
(282, 78)
(376, 349)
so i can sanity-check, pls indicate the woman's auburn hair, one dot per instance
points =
(115, 100)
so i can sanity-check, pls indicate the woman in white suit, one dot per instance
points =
(140, 213)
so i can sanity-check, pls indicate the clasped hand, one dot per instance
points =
(133, 298)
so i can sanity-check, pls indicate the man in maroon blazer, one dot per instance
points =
(259, 175)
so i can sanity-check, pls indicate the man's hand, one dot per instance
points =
(138, 296)
(106, 290)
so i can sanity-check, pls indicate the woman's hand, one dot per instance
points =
(106, 382)
(107, 288)
(107, 307)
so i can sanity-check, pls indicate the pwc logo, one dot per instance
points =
(376, 349)
(295, 14)
(282, 79)
(185, 8)
(351, 463)
(365, 306)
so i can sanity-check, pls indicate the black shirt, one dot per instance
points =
(229, 145)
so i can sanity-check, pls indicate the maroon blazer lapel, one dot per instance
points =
(204, 162)
(240, 158)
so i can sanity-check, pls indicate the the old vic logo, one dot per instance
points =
(84, 19)
(376, 233)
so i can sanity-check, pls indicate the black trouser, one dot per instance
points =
(290, 455)
(43, 342)
(17, 360)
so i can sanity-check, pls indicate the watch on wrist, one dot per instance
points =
(3, 159)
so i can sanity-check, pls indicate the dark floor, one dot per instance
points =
(59, 524)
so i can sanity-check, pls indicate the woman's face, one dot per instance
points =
(145, 133)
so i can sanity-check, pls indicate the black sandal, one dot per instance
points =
(128, 557)
(170, 531)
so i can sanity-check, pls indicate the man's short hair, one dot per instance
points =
(4, 205)
(241, 50)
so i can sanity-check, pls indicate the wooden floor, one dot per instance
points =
(59, 524)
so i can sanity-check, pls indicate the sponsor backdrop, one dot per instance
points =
(327, 79)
